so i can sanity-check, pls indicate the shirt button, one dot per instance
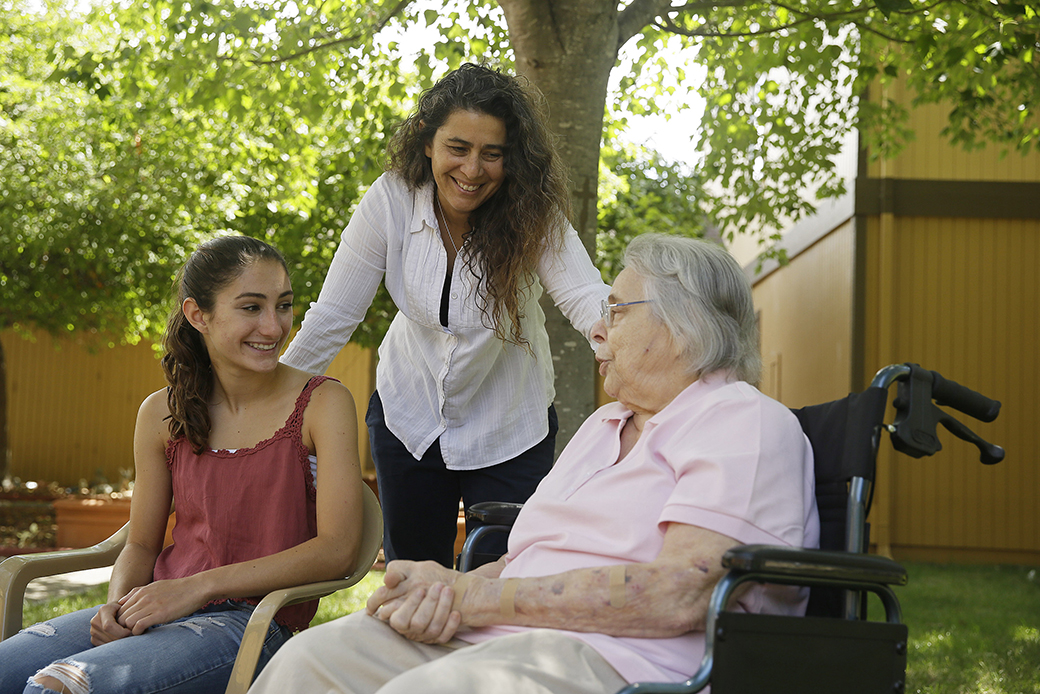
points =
(454, 295)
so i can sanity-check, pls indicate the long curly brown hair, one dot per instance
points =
(185, 362)
(526, 216)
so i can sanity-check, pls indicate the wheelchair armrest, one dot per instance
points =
(494, 512)
(16, 572)
(818, 565)
(494, 517)
(787, 565)
(792, 566)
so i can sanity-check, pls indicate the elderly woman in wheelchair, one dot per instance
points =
(612, 560)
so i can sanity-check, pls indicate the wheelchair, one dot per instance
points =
(844, 651)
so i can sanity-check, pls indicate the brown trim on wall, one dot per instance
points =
(857, 361)
(906, 197)
(857, 357)
(964, 199)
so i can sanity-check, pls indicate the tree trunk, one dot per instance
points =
(567, 49)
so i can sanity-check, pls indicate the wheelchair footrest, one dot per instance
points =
(801, 655)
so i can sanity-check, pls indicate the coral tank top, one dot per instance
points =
(237, 506)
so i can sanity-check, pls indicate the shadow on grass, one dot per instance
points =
(973, 629)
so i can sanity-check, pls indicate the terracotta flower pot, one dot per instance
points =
(85, 522)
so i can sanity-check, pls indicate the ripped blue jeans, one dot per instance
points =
(188, 656)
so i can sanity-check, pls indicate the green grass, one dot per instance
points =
(973, 629)
(33, 612)
(336, 605)
(347, 601)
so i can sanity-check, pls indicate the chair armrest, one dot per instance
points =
(256, 630)
(16, 572)
(789, 562)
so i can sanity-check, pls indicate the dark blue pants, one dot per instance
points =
(420, 498)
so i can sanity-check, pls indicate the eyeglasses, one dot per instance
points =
(606, 311)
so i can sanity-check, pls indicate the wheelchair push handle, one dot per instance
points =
(972, 403)
(914, 430)
(989, 453)
(963, 399)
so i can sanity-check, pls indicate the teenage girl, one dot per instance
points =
(237, 442)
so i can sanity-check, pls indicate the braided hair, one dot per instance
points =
(185, 361)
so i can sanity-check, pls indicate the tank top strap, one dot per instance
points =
(294, 425)
(292, 429)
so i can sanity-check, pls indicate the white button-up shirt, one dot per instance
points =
(485, 399)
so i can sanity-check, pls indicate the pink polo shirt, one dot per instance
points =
(721, 456)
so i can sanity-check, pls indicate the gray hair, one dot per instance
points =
(701, 294)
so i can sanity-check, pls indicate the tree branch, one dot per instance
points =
(858, 11)
(861, 11)
(981, 9)
(671, 27)
(926, 8)
(824, 16)
(637, 15)
(887, 37)
(807, 16)
(398, 8)
(709, 5)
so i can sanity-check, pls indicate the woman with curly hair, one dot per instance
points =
(467, 227)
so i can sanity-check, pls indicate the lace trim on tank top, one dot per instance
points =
(292, 429)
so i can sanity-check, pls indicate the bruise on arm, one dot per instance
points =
(663, 598)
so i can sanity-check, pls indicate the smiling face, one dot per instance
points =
(250, 320)
(467, 156)
(641, 364)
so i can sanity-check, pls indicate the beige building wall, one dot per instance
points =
(930, 156)
(960, 296)
(71, 411)
(805, 323)
(355, 368)
(950, 256)
(941, 249)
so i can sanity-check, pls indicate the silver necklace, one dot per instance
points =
(444, 220)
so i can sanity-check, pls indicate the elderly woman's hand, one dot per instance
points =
(416, 600)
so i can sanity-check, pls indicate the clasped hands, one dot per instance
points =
(416, 601)
(145, 606)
